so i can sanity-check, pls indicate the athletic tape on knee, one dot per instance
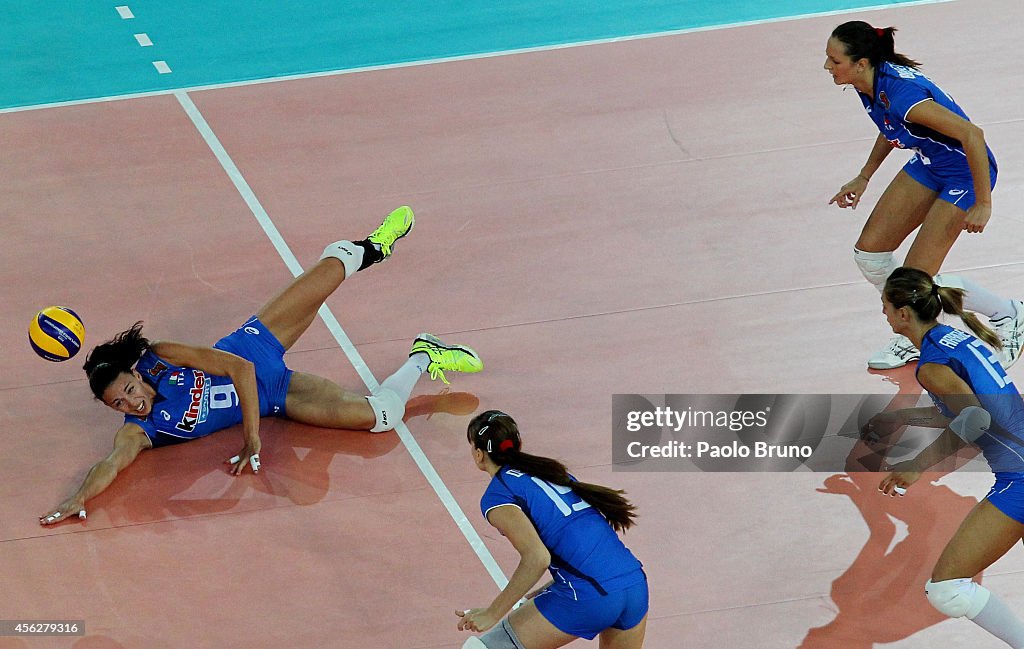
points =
(388, 407)
(957, 597)
(971, 423)
(348, 253)
(501, 637)
(875, 266)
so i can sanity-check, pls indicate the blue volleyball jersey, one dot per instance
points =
(587, 557)
(897, 89)
(189, 403)
(1003, 444)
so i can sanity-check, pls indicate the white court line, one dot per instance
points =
(467, 57)
(342, 338)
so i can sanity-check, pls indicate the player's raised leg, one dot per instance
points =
(291, 311)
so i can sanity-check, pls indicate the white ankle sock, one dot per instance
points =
(404, 380)
(350, 254)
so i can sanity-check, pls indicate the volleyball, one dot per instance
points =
(56, 333)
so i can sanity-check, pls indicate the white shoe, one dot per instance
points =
(1011, 333)
(899, 352)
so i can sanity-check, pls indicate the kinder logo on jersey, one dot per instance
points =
(884, 99)
(157, 369)
(199, 406)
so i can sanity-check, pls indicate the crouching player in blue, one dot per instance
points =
(566, 527)
(975, 403)
(172, 392)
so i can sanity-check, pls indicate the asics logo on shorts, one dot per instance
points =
(957, 192)
(252, 330)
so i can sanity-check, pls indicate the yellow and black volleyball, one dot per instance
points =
(56, 333)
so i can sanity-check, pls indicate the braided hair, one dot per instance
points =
(119, 354)
(497, 435)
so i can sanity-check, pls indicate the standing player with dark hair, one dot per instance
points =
(172, 392)
(566, 527)
(974, 403)
(944, 189)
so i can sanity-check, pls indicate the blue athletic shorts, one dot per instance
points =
(957, 189)
(586, 618)
(1007, 494)
(254, 342)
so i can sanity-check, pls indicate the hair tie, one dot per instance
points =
(505, 445)
(879, 31)
(935, 289)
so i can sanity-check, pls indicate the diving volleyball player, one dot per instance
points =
(172, 392)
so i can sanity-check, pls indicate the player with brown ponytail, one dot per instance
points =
(562, 525)
(975, 404)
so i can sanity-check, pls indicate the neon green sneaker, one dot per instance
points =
(455, 358)
(395, 226)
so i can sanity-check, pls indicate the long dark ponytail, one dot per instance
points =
(119, 354)
(496, 434)
(876, 44)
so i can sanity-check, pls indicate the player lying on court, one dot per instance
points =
(566, 527)
(944, 189)
(172, 392)
(975, 403)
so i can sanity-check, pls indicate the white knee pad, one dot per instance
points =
(957, 597)
(350, 255)
(388, 407)
(875, 266)
(971, 423)
(500, 637)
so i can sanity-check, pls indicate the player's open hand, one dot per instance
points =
(977, 218)
(249, 456)
(72, 509)
(849, 195)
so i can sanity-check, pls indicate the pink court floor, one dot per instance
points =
(643, 217)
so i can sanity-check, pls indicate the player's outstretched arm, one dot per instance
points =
(129, 441)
